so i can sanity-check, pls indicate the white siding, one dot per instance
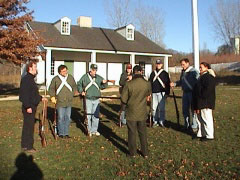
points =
(148, 70)
(102, 69)
(41, 72)
(79, 70)
(114, 72)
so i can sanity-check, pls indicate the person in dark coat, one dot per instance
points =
(160, 82)
(188, 79)
(204, 97)
(135, 95)
(30, 98)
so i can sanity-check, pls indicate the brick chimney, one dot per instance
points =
(84, 21)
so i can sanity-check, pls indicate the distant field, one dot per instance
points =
(173, 154)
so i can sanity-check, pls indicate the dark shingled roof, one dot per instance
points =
(95, 39)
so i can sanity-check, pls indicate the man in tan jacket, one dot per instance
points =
(62, 89)
(134, 97)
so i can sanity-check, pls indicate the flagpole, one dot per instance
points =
(195, 33)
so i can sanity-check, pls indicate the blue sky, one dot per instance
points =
(177, 17)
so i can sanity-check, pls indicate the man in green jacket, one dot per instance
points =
(135, 95)
(62, 89)
(89, 85)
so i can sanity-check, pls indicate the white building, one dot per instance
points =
(77, 46)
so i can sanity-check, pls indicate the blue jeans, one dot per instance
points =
(158, 107)
(64, 114)
(186, 108)
(123, 117)
(93, 108)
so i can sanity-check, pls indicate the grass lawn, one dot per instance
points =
(173, 153)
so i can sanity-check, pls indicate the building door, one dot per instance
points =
(69, 65)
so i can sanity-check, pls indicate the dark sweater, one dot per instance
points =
(29, 95)
(156, 85)
(204, 94)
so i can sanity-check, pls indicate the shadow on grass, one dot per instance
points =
(105, 131)
(78, 118)
(26, 168)
(179, 128)
(117, 141)
(109, 114)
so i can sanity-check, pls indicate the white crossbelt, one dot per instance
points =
(92, 82)
(158, 78)
(64, 83)
(184, 78)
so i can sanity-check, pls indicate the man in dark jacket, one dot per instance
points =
(30, 98)
(188, 79)
(204, 102)
(134, 96)
(160, 82)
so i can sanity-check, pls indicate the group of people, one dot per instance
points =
(136, 92)
(198, 101)
(62, 89)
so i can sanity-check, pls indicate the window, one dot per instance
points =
(127, 32)
(52, 66)
(130, 34)
(65, 27)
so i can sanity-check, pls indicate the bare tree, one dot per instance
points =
(150, 21)
(225, 19)
(118, 12)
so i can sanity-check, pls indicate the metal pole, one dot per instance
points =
(195, 33)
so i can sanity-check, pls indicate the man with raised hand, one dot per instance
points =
(90, 85)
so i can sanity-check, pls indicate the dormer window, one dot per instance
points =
(127, 32)
(65, 27)
(130, 32)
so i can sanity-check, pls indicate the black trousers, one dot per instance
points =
(28, 128)
(133, 128)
